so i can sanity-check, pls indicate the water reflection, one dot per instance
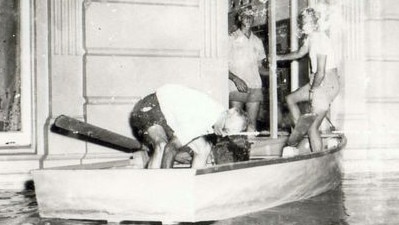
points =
(362, 199)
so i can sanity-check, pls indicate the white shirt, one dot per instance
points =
(190, 113)
(245, 57)
(320, 44)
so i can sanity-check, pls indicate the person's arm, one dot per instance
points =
(302, 51)
(319, 75)
(321, 71)
(240, 84)
(262, 66)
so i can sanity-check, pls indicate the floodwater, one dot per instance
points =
(362, 199)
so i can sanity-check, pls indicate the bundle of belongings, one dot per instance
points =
(227, 149)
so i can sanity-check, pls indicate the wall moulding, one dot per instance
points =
(66, 27)
(383, 19)
(385, 100)
(142, 29)
(210, 21)
(103, 100)
(142, 52)
(179, 3)
(382, 59)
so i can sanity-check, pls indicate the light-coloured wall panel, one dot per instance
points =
(109, 76)
(382, 80)
(67, 80)
(382, 37)
(383, 124)
(390, 9)
(143, 25)
(113, 117)
(382, 9)
(155, 42)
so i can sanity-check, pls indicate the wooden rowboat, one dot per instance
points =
(113, 191)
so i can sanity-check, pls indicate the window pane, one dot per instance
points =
(15, 75)
(10, 82)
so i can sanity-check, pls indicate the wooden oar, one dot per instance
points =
(84, 131)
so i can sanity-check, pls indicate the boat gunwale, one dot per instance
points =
(265, 162)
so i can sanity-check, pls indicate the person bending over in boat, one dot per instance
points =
(176, 116)
(323, 86)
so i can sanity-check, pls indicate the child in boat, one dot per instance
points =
(323, 86)
(176, 116)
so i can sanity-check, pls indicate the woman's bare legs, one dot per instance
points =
(300, 95)
(316, 143)
(252, 109)
(237, 104)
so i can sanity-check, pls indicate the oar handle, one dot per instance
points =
(78, 129)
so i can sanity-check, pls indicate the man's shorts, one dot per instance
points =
(147, 113)
(253, 95)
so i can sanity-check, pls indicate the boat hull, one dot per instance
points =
(185, 195)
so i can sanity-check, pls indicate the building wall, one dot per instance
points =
(369, 100)
(382, 56)
(123, 51)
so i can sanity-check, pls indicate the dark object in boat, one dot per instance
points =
(231, 149)
(84, 131)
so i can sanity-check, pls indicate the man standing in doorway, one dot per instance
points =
(245, 60)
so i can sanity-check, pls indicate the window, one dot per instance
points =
(15, 73)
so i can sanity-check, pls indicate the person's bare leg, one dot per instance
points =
(201, 149)
(159, 140)
(316, 143)
(304, 146)
(236, 104)
(300, 95)
(253, 111)
(170, 152)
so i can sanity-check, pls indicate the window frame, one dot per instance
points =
(20, 139)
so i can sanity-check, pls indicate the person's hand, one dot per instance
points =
(218, 129)
(240, 84)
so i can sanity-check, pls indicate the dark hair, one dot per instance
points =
(241, 12)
